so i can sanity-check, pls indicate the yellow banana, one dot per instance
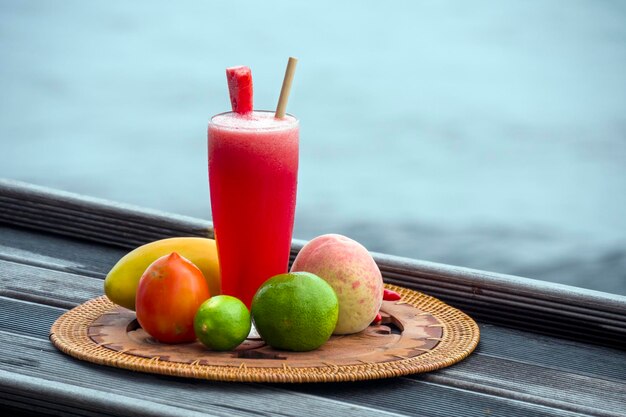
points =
(121, 282)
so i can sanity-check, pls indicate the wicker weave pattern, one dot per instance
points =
(460, 337)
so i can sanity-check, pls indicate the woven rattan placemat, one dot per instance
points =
(419, 333)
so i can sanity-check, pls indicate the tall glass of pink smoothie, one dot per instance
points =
(253, 172)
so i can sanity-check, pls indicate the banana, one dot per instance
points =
(120, 284)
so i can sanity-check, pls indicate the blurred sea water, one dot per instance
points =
(485, 134)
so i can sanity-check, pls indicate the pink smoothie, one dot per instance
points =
(253, 172)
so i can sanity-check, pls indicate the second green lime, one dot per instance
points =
(222, 322)
(296, 311)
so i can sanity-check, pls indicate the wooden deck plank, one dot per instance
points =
(421, 398)
(27, 396)
(552, 352)
(58, 253)
(118, 224)
(44, 286)
(535, 384)
(27, 318)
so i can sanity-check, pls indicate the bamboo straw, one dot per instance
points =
(284, 91)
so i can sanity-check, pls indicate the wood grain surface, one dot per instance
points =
(47, 268)
(506, 375)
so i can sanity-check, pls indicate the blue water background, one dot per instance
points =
(484, 134)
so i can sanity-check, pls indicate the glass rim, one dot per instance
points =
(290, 125)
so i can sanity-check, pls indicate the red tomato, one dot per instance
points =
(168, 297)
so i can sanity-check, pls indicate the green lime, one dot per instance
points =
(222, 322)
(296, 311)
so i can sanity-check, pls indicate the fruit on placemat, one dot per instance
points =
(222, 322)
(350, 269)
(168, 297)
(240, 88)
(120, 285)
(295, 311)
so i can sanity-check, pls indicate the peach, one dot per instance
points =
(350, 269)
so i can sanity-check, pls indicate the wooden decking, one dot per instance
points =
(545, 349)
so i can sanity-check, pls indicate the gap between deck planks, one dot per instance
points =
(53, 283)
